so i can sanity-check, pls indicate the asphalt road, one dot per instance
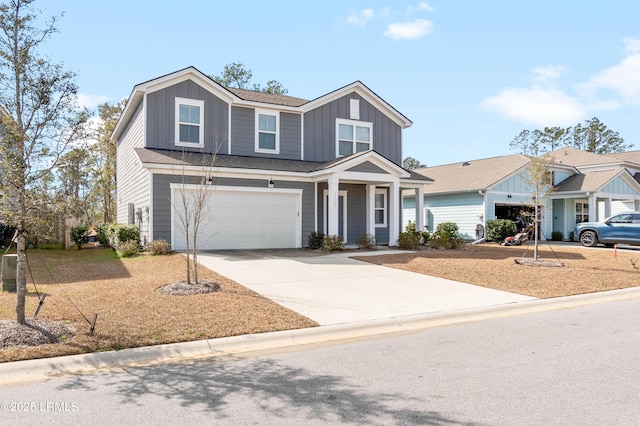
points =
(575, 366)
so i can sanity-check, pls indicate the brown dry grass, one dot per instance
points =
(493, 266)
(131, 313)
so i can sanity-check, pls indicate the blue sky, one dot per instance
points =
(470, 75)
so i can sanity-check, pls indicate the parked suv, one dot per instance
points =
(623, 228)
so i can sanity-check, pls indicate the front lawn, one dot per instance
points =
(131, 312)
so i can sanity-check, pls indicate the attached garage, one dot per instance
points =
(242, 218)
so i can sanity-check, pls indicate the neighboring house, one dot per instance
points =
(587, 187)
(282, 167)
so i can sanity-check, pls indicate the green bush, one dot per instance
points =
(316, 240)
(159, 247)
(332, 243)
(499, 229)
(117, 234)
(447, 231)
(557, 236)
(79, 235)
(409, 240)
(103, 234)
(128, 248)
(366, 241)
(50, 246)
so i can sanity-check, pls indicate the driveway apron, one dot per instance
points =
(335, 289)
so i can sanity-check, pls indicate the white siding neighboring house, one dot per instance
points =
(587, 187)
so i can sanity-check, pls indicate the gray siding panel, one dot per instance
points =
(161, 117)
(320, 130)
(132, 179)
(162, 201)
(367, 167)
(243, 134)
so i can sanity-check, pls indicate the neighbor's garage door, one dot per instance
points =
(244, 218)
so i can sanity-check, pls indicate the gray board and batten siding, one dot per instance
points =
(162, 200)
(243, 134)
(161, 121)
(320, 130)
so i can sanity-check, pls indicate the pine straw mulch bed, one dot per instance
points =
(132, 309)
(493, 266)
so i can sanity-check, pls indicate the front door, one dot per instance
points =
(342, 214)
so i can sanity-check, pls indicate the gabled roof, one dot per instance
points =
(361, 89)
(590, 181)
(473, 175)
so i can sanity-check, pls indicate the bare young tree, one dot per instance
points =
(539, 179)
(40, 119)
(192, 206)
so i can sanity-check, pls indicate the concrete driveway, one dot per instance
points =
(334, 289)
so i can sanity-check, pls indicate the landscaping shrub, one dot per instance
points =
(366, 241)
(159, 247)
(117, 234)
(447, 231)
(316, 240)
(332, 243)
(103, 234)
(50, 246)
(79, 235)
(557, 236)
(409, 240)
(128, 248)
(499, 229)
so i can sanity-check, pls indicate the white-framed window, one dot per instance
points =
(267, 135)
(381, 207)
(582, 212)
(353, 136)
(189, 122)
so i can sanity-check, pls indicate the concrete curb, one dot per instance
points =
(42, 369)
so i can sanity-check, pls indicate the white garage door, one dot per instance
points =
(244, 218)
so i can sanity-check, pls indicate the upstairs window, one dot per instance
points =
(189, 122)
(353, 136)
(267, 139)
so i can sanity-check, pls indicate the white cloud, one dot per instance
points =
(420, 7)
(623, 79)
(548, 75)
(537, 106)
(361, 19)
(409, 30)
(91, 101)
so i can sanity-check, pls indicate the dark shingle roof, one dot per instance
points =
(268, 98)
(197, 159)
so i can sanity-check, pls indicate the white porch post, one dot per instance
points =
(593, 207)
(370, 209)
(394, 213)
(420, 209)
(607, 207)
(332, 214)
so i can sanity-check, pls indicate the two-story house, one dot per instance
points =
(277, 167)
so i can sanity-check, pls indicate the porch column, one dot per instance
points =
(394, 213)
(593, 207)
(420, 209)
(607, 207)
(332, 213)
(370, 209)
